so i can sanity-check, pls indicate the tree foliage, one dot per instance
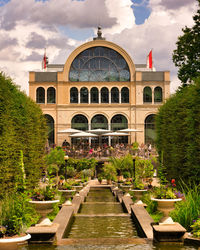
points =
(187, 55)
(22, 128)
(178, 137)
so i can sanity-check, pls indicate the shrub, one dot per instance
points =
(22, 128)
(188, 210)
(16, 214)
(196, 228)
(178, 137)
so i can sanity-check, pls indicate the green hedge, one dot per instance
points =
(22, 127)
(178, 134)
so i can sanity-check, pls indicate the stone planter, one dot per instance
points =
(67, 193)
(138, 193)
(125, 188)
(77, 188)
(44, 208)
(13, 242)
(166, 206)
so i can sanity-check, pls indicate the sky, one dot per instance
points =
(27, 27)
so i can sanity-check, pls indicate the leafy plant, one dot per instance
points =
(196, 228)
(16, 214)
(44, 194)
(66, 186)
(54, 160)
(186, 56)
(109, 171)
(187, 211)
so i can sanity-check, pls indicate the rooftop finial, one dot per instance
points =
(99, 34)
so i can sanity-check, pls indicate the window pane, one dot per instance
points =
(73, 95)
(94, 95)
(119, 122)
(111, 66)
(158, 94)
(51, 95)
(147, 94)
(104, 95)
(99, 121)
(125, 95)
(114, 95)
(84, 95)
(40, 95)
(79, 122)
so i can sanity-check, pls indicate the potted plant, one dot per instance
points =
(67, 190)
(126, 186)
(166, 196)
(100, 179)
(138, 189)
(43, 200)
(77, 185)
(54, 160)
(16, 215)
(109, 172)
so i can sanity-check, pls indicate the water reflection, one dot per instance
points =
(172, 246)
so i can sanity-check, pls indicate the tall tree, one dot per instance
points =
(187, 55)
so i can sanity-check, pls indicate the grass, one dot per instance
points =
(187, 211)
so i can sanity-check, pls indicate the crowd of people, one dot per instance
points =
(100, 151)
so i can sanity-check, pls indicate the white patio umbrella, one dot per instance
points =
(99, 131)
(116, 134)
(69, 130)
(127, 130)
(83, 134)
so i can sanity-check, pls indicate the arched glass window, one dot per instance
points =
(50, 126)
(149, 128)
(114, 95)
(158, 94)
(79, 122)
(40, 95)
(51, 95)
(84, 95)
(119, 122)
(99, 64)
(99, 121)
(104, 95)
(125, 95)
(147, 94)
(94, 93)
(73, 95)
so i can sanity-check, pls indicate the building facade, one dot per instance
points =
(99, 86)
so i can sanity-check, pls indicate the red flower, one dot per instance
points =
(173, 181)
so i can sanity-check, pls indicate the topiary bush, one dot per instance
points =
(22, 128)
(178, 137)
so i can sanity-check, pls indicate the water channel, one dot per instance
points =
(103, 219)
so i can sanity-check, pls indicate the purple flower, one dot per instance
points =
(194, 221)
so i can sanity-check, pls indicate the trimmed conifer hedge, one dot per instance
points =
(22, 127)
(178, 134)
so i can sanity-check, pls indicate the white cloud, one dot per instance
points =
(121, 10)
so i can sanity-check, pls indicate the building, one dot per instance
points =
(100, 86)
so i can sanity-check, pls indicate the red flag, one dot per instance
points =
(44, 61)
(150, 60)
